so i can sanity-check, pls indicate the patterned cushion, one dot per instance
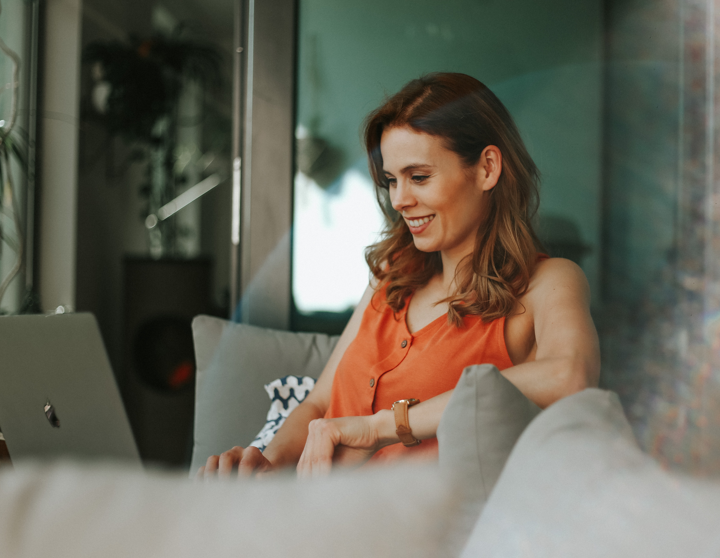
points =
(285, 394)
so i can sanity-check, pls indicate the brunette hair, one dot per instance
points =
(468, 117)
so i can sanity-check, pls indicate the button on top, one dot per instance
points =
(372, 382)
(404, 343)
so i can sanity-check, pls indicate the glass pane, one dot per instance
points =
(154, 195)
(541, 59)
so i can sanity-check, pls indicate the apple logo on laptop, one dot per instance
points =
(51, 416)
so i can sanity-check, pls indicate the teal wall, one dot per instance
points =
(543, 59)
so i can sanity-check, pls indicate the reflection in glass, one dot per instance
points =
(153, 220)
(617, 102)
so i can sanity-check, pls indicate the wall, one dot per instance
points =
(641, 143)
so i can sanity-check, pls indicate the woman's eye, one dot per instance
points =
(390, 182)
(419, 178)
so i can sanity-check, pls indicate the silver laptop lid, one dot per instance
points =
(58, 396)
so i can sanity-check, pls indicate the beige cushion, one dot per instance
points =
(66, 511)
(577, 484)
(481, 423)
(234, 362)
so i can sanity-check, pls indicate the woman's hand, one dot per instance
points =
(249, 461)
(346, 441)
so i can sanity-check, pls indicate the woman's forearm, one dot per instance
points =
(351, 441)
(424, 419)
(287, 446)
(547, 380)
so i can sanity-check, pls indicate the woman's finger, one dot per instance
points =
(304, 466)
(228, 459)
(252, 461)
(211, 466)
(316, 459)
(300, 468)
(321, 467)
(200, 473)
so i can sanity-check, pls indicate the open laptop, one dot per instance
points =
(58, 396)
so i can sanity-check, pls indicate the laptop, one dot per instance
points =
(58, 395)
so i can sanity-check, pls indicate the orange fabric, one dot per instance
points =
(377, 370)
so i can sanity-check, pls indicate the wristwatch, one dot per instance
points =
(402, 423)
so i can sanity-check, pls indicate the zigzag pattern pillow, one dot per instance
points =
(285, 393)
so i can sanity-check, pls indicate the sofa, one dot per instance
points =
(511, 481)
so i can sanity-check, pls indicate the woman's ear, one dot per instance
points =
(489, 168)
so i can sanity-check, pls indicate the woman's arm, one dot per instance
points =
(567, 360)
(287, 445)
(351, 441)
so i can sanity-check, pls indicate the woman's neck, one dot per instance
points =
(450, 263)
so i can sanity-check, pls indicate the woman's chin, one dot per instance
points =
(424, 246)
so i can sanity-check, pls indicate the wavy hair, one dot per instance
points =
(468, 117)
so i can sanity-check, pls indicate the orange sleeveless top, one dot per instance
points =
(386, 363)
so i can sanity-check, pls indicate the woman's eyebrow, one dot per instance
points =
(411, 167)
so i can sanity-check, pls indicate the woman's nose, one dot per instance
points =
(401, 196)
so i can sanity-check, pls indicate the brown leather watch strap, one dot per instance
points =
(402, 422)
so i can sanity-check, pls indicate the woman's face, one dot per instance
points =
(437, 195)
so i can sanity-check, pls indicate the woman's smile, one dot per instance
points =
(418, 224)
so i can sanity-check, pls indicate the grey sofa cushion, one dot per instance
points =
(234, 361)
(577, 484)
(72, 511)
(482, 421)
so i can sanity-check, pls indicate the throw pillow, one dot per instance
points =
(285, 393)
(478, 429)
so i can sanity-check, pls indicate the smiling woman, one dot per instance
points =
(458, 279)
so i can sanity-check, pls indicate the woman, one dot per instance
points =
(457, 280)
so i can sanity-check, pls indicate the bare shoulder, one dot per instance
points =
(558, 297)
(557, 276)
